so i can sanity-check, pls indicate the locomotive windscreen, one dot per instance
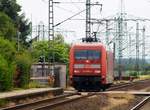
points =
(87, 54)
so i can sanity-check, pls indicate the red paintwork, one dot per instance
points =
(89, 71)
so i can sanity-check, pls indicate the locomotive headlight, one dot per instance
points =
(76, 71)
(87, 61)
(97, 71)
(103, 77)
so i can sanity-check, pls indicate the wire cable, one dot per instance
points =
(65, 9)
(70, 18)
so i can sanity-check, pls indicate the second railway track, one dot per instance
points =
(126, 85)
(141, 104)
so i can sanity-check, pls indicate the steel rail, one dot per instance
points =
(59, 100)
(32, 105)
(141, 104)
(118, 86)
(62, 102)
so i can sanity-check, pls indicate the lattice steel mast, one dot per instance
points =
(120, 38)
(143, 47)
(137, 48)
(51, 31)
(51, 20)
(88, 19)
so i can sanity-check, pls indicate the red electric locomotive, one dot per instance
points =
(91, 66)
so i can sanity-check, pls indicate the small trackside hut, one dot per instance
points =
(91, 66)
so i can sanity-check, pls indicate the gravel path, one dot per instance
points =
(103, 102)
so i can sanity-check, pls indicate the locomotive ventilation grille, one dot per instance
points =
(87, 66)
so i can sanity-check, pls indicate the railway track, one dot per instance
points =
(50, 103)
(62, 102)
(122, 85)
(35, 104)
(141, 104)
(47, 104)
(50, 106)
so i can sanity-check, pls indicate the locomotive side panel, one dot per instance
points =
(103, 65)
(71, 62)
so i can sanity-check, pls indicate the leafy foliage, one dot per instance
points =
(59, 39)
(60, 50)
(36, 84)
(7, 29)
(6, 75)
(25, 29)
(11, 8)
(7, 66)
(14, 67)
(11, 61)
(134, 73)
(22, 76)
(7, 50)
(3, 102)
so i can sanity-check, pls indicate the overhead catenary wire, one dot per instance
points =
(60, 2)
(65, 9)
(75, 5)
(70, 11)
(70, 18)
(69, 2)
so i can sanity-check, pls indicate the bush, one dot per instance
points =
(60, 51)
(7, 50)
(6, 75)
(22, 76)
(134, 74)
(3, 102)
(35, 84)
(7, 27)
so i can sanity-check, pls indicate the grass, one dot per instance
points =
(144, 76)
(3, 102)
(35, 84)
(122, 96)
(117, 101)
(100, 102)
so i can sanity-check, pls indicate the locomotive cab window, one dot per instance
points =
(87, 54)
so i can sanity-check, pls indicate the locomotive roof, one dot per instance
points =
(88, 44)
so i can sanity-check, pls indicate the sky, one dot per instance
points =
(73, 30)
(37, 11)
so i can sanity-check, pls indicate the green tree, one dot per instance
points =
(60, 50)
(7, 64)
(23, 65)
(59, 38)
(14, 66)
(24, 29)
(6, 74)
(7, 50)
(7, 28)
(40, 48)
(11, 8)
